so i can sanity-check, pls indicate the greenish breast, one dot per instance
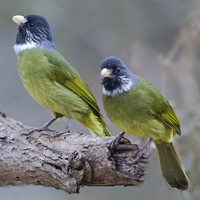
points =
(129, 111)
(35, 73)
(40, 78)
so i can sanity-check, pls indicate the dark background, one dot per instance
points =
(157, 39)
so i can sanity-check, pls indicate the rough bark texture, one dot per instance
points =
(66, 162)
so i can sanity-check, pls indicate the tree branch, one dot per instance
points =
(66, 162)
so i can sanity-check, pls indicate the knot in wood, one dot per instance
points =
(76, 161)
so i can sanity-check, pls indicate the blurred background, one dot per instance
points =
(156, 39)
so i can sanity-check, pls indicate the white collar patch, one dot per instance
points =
(21, 47)
(120, 90)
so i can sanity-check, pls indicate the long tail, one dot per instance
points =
(170, 166)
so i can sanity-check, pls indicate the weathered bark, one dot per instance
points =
(66, 162)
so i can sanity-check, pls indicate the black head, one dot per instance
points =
(33, 29)
(115, 75)
(115, 65)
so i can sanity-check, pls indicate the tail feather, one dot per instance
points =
(170, 166)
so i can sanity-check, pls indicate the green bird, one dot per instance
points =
(135, 107)
(51, 80)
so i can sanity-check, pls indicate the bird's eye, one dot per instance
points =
(32, 24)
(118, 70)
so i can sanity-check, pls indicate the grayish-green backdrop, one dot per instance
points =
(157, 39)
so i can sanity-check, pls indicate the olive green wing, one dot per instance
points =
(169, 118)
(160, 107)
(67, 76)
(78, 86)
(165, 113)
(64, 74)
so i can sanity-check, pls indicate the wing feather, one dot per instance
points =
(67, 76)
(167, 115)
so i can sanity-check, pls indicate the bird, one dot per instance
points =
(137, 108)
(51, 80)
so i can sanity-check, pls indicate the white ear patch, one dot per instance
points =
(21, 47)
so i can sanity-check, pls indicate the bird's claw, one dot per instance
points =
(138, 155)
(142, 152)
(117, 141)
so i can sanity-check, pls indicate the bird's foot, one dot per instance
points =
(117, 140)
(40, 129)
(120, 140)
(139, 154)
(45, 127)
(66, 130)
